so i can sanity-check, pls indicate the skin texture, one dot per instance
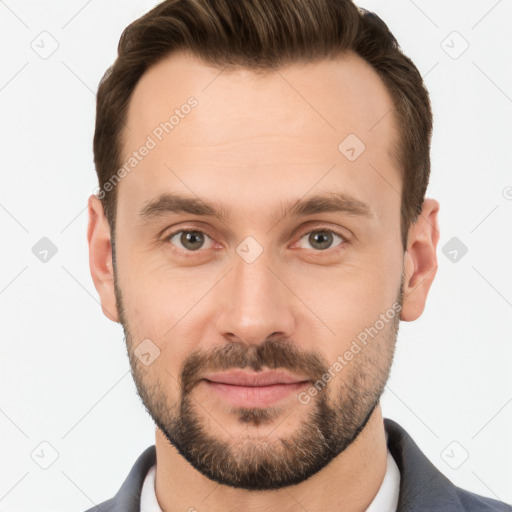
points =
(253, 143)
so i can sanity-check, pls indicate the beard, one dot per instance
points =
(336, 416)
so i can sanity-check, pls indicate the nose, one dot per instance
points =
(254, 303)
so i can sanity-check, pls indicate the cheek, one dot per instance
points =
(155, 295)
(167, 311)
(354, 298)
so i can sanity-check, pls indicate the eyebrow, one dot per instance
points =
(336, 202)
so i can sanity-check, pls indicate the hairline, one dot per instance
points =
(396, 152)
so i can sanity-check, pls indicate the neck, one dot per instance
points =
(349, 483)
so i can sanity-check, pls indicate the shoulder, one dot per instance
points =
(127, 498)
(423, 487)
(474, 502)
(106, 506)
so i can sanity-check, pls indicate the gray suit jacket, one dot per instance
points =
(422, 487)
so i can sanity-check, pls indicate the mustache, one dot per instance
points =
(272, 354)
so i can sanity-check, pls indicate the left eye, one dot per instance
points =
(321, 239)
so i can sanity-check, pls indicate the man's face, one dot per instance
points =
(256, 289)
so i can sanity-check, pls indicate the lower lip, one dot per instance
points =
(254, 396)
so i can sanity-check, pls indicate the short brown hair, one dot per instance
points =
(263, 35)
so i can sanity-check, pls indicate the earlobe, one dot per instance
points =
(100, 258)
(420, 265)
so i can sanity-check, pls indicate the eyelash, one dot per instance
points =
(189, 254)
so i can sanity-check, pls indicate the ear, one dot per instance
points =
(420, 261)
(100, 258)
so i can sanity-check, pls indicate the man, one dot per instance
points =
(260, 229)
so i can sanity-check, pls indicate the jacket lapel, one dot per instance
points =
(422, 486)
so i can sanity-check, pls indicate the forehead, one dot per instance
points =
(236, 134)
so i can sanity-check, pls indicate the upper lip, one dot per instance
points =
(243, 378)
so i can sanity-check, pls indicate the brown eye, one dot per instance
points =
(188, 240)
(321, 239)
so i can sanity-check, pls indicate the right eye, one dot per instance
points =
(190, 240)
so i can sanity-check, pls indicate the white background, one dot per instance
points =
(64, 371)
